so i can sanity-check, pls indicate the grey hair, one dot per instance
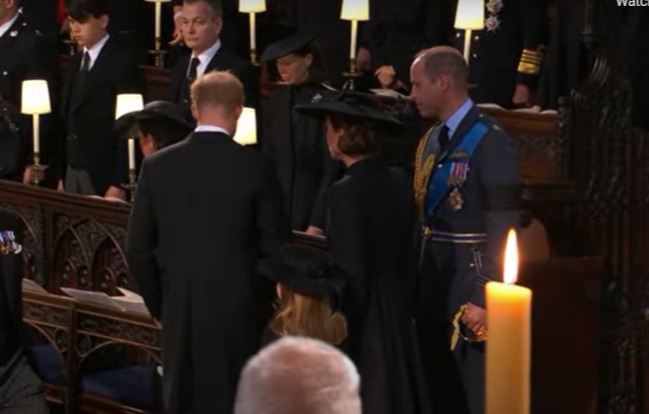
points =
(296, 376)
(216, 6)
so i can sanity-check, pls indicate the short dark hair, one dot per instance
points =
(437, 62)
(318, 69)
(360, 137)
(164, 131)
(81, 10)
(215, 5)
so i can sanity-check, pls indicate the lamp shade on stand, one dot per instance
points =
(247, 127)
(127, 103)
(469, 16)
(252, 7)
(355, 11)
(35, 101)
(157, 49)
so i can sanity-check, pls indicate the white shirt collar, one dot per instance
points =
(206, 57)
(95, 50)
(211, 128)
(6, 26)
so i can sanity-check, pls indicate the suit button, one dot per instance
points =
(458, 35)
(5, 73)
(475, 55)
(476, 38)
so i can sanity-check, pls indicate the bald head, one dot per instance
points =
(297, 376)
(445, 60)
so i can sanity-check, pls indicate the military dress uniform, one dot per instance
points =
(25, 55)
(508, 51)
(467, 189)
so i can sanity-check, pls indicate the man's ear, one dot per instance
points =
(105, 20)
(237, 112)
(194, 111)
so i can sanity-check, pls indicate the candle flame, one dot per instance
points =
(511, 258)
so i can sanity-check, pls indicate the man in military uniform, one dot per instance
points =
(25, 55)
(21, 391)
(467, 188)
(506, 56)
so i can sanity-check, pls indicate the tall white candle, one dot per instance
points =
(158, 9)
(253, 42)
(35, 119)
(131, 154)
(352, 47)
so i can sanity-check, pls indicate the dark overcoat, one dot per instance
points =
(206, 210)
(370, 224)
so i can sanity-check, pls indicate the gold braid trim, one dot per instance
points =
(531, 60)
(423, 171)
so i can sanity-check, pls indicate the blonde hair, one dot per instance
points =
(307, 315)
(218, 89)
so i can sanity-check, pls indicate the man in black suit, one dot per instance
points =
(21, 391)
(206, 210)
(95, 159)
(26, 54)
(202, 21)
(467, 188)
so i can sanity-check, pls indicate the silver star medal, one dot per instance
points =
(317, 98)
(492, 23)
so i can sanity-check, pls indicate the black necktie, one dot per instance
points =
(443, 138)
(193, 69)
(85, 63)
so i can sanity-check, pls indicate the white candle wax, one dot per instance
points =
(36, 133)
(158, 6)
(253, 42)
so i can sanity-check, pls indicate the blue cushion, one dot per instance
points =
(47, 362)
(131, 386)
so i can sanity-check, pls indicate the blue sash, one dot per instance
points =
(442, 182)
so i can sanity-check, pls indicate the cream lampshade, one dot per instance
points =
(252, 6)
(247, 127)
(469, 16)
(35, 98)
(128, 102)
(358, 10)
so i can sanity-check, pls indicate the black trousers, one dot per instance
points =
(456, 379)
(22, 391)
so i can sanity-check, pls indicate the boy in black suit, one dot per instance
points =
(95, 157)
(202, 22)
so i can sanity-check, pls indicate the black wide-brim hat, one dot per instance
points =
(152, 110)
(305, 270)
(291, 40)
(353, 105)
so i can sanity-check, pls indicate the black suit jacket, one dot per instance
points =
(25, 55)
(206, 210)
(222, 60)
(91, 143)
(11, 266)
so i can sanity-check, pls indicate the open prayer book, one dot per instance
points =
(130, 302)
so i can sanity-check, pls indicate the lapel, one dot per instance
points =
(219, 61)
(7, 38)
(100, 68)
(462, 129)
(72, 70)
(180, 76)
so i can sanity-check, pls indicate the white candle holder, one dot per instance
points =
(157, 51)
(127, 103)
(468, 17)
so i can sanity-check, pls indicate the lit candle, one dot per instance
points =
(469, 16)
(509, 310)
(131, 154)
(253, 43)
(158, 9)
(352, 46)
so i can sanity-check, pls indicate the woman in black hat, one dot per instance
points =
(308, 295)
(296, 143)
(158, 125)
(369, 234)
